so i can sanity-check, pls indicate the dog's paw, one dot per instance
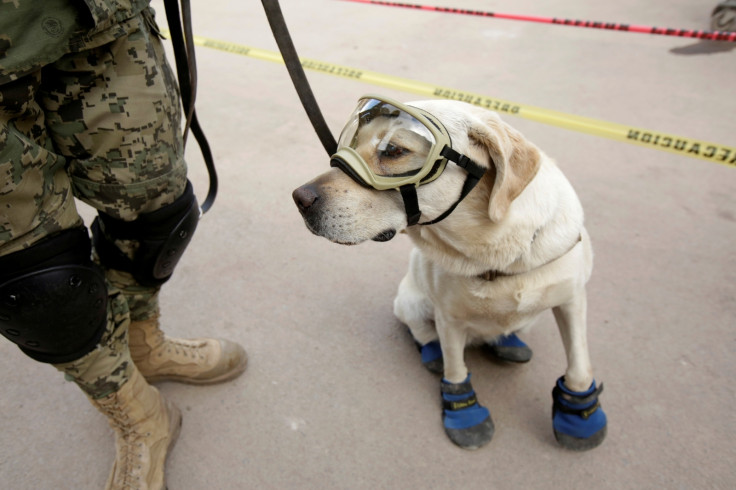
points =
(509, 348)
(432, 356)
(577, 417)
(467, 423)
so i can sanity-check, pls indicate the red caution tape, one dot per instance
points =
(611, 26)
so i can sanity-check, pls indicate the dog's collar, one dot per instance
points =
(492, 275)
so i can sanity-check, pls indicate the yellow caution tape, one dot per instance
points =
(712, 152)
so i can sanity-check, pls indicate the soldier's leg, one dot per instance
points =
(54, 301)
(43, 244)
(129, 165)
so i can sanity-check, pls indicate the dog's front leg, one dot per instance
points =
(452, 340)
(577, 419)
(467, 423)
(571, 321)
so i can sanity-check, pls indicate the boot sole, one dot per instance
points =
(474, 437)
(510, 354)
(175, 423)
(579, 444)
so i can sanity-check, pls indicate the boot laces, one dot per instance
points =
(121, 424)
(183, 347)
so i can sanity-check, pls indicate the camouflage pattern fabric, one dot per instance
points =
(104, 370)
(90, 111)
(35, 33)
(142, 300)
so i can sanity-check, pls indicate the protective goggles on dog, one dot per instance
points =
(389, 145)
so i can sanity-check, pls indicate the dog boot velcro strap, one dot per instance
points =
(467, 423)
(432, 356)
(577, 417)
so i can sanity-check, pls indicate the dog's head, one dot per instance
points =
(345, 206)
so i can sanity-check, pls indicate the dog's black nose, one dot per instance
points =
(305, 197)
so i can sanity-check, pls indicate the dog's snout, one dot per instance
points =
(305, 197)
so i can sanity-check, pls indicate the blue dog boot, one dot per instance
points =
(510, 348)
(467, 423)
(577, 418)
(432, 356)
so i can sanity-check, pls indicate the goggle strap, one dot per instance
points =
(462, 161)
(434, 170)
(409, 191)
(411, 203)
(470, 182)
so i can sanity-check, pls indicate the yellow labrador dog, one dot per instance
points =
(499, 238)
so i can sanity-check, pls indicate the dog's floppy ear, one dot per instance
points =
(515, 158)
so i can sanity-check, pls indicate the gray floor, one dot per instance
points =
(335, 396)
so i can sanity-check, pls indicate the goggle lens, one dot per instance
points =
(390, 141)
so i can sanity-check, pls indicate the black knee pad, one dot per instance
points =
(162, 236)
(53, 298)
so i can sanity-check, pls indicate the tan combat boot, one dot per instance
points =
(195, 361)
(146, 426)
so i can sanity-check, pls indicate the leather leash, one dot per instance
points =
(298, 77)
(182, 39)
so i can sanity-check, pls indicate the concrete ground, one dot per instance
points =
(335, 396)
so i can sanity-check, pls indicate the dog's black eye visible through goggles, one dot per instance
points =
(389, 145)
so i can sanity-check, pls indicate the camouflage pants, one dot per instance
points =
(103, 126)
